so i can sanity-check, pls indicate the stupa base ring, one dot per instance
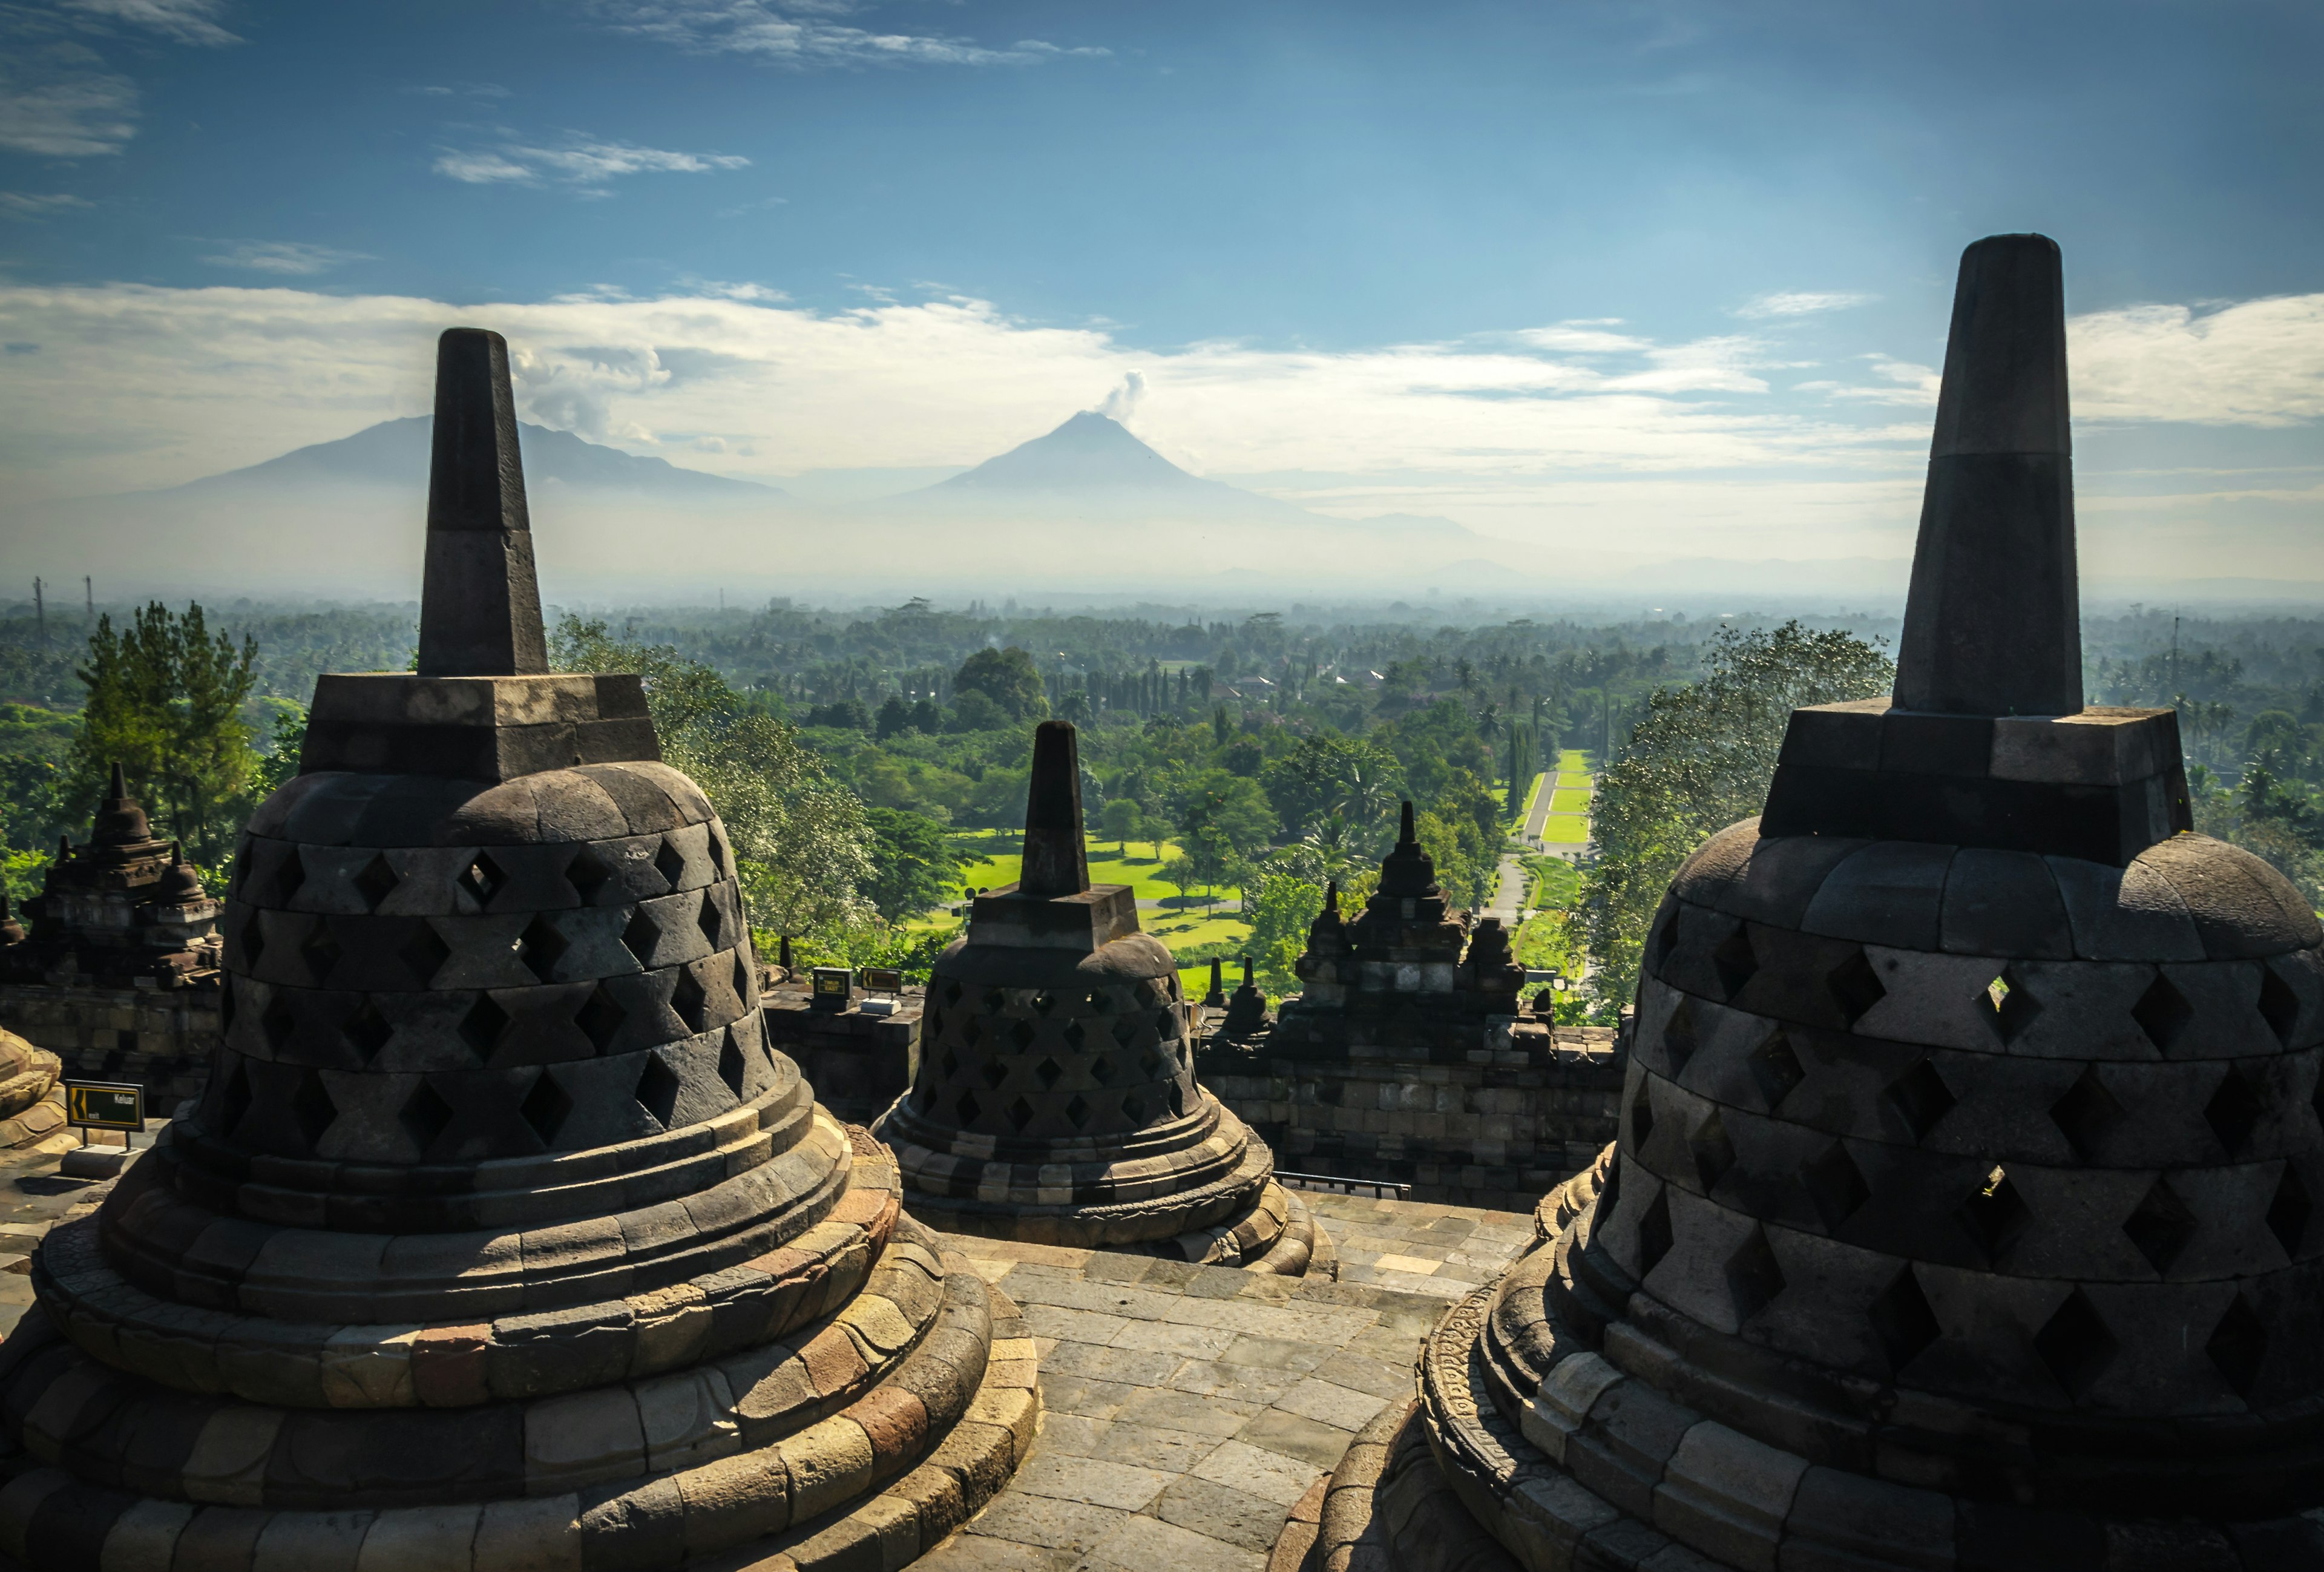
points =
(1651, 1486)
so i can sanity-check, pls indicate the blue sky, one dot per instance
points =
(1722, 236)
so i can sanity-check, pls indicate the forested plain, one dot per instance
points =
(868, 761)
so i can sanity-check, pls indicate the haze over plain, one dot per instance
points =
(1625, 293)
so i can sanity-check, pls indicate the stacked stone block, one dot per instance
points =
(1406, 980)
(1963, 1210)
(1055, 1097)
(499, 1241)
(1496, 1132)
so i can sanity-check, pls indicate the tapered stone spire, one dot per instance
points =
(480, 603)
(1992, 625)
(1056, 862)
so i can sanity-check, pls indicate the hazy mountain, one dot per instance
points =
(395, 453)
(1090, 467)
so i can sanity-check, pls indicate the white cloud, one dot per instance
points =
(27, 204)
(288, 257)
(58, 102)
(1800, 303)
(2257, 363)
(1665, 448)
(1901, 382)
(801, 33)
(184, 21)
(1582, 338)
(579, 161)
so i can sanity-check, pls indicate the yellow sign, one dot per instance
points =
(104, 1106)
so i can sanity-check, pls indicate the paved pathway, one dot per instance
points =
(1186, 1409)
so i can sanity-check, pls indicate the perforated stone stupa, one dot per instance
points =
(1055, 1100)
(500, 1240)
(1964, 1210)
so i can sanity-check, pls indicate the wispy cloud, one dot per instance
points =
(288, 257)
(804, 33)
(1902, 382)
(1801, 303)
(58, 101)
(764, 204)
(578, 161)
(27, 204)
(191, 22)
(457, 90)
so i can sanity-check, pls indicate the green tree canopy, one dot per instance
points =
(1008, 678)
(915, 865)
(165, 700)
(802, 845)
(1699, 759)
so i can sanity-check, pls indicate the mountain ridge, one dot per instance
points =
(395, 453)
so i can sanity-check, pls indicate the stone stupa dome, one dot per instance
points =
(499, 1239)
(1964, 1212)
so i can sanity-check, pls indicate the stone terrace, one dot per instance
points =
(1186, 1409)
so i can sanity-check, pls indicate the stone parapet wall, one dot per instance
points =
(162, 1039)
(858, 1063)
(1490, 1134)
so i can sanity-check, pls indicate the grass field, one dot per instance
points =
(1570, 800)
(1565, 830)
(1139, 870)
(1180, 925)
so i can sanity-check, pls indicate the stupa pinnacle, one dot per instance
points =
(480, 609)
(1992, 623)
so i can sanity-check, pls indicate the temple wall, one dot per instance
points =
(857, 1063)
(1492, 1134)
(161, 1037)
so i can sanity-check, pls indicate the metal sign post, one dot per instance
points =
(105, 1105)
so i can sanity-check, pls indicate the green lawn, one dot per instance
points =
(1574, 761)
(1570, 800)
(1139, 870)
(1566, 829)
(1178, 925)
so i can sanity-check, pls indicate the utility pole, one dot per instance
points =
(41, 613)
(88, 595)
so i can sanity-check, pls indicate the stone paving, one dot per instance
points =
(1186, 1409)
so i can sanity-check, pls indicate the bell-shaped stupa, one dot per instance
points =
(500, 1242)
(1054, 1100)
(1964, 1213)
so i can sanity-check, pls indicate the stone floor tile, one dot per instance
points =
(1275, 1353)
(1296, 1436)
(969, 1551)
(1411, 1263)
(1074, 1326)
(1360, 1373)
(1144, 1544)
(1220, 1511)
(1170, 1337)
(1115, 1266)
(1052, 1522)
(1183, 1410)
(1271, 1476)
(1134, 1366)
(1090, 1480)
(1096, 1400)
(1241, 1383)
(1331, 1403)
